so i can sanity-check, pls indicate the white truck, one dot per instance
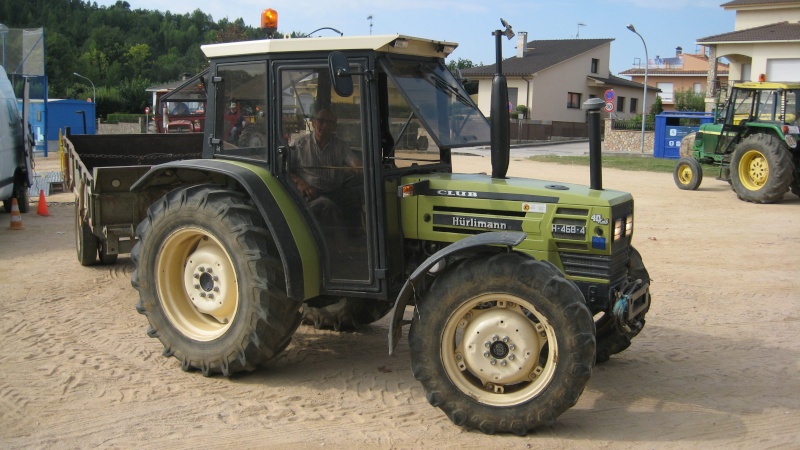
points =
(15, 149)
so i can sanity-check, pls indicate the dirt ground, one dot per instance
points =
(717, 365)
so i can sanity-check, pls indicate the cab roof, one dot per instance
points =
(392, 43)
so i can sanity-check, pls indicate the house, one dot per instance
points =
(553, 78)
(765, 41)
(681, 72)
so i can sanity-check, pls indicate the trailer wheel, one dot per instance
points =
(688, 174)
(502, 343)
(343, 313)
(611, 340)
(761, 169)
(86, 242)
(250, 137)
(211, 283)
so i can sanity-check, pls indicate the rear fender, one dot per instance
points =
(288, 227)
(508, 239)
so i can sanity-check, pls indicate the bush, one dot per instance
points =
(124, 118)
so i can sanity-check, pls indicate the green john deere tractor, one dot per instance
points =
(514, 287)
(753, 142)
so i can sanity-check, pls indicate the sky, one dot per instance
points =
(663, 24)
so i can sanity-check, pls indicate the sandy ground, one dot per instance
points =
(717, 365)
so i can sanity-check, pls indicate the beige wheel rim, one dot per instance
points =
(197, 284)
(499, 349)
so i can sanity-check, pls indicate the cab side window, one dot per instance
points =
(241, 115)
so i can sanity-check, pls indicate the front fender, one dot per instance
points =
(289, 229)
(506, 238)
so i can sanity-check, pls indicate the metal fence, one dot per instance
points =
(538, 130)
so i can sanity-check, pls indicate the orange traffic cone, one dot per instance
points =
(16, 218)
(42, 208)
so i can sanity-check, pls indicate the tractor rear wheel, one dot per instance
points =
(688, 174)
(210, 281)
(761, 169)
(502, 343)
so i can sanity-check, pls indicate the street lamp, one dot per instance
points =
(94, 92)
(646, 63)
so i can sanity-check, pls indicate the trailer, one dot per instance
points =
(100, 169)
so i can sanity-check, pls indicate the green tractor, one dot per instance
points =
(513, 288)
(753, 142)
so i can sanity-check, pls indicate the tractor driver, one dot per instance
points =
(327, 174)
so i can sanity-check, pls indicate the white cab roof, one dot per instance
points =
(383, 43)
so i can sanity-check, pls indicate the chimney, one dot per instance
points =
(678, 51)
(522, 43)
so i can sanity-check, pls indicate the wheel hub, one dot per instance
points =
(501, 346)
(207, 277)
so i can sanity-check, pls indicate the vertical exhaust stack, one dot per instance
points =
(593, 106)
(501, 141)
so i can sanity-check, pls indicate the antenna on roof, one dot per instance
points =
(369, 17)
(578, 34)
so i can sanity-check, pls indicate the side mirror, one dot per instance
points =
(341, 77)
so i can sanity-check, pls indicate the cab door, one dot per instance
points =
(322, 143)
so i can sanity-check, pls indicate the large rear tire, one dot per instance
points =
(502, 343)
(688, 174)
(610, 339)
(211, 283)
(761, 169)
(343, 313)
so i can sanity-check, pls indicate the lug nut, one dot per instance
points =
(485, 354)
(493, 362)
(511, 357)
(495, 337)
(512, 346)
(505, 338)
(201, 269)
(503, 363)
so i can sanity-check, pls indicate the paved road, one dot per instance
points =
(578, 148)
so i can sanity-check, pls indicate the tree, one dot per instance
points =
(688, 100)
(656, 109)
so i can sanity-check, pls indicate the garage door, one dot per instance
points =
(783, 69)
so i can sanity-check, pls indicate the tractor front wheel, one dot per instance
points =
(210, 281)
(688, 174)
(502, 343)
(761, 169)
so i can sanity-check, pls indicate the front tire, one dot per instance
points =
(688, 174)
(611, 340)
(502, 343)
(761, 169)
(210, 281)
(343, 313)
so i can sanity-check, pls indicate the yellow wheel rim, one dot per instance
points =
(753, 170)
(196, 284)
(685, 174)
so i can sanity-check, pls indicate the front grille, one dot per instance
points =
(611, 268)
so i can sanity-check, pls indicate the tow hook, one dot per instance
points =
(631, 301)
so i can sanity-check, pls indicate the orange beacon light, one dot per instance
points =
(269, 21)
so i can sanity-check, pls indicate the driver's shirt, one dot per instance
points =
(322, 168)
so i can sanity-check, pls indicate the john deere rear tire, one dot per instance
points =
(343, 313)
(611, 340)
(761, 169)
(211, 283)
(688, 174)
(502, 343)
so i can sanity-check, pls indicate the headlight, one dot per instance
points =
(629, 225)
(617, 229)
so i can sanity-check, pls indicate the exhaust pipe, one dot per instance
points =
(501, 141)
(593, 107)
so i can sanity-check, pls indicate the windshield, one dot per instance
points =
(439, 102)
